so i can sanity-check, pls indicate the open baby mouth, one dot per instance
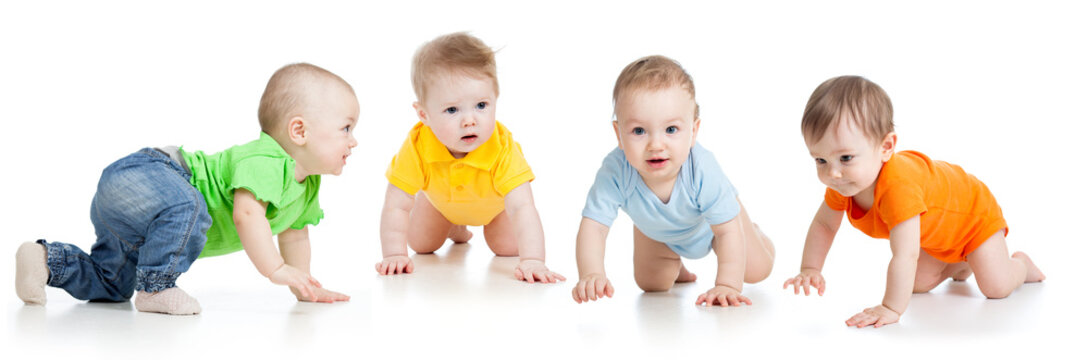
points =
(469, 138)
(657, 162)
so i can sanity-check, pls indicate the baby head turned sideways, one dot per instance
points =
(311, 113)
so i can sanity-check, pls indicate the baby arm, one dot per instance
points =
(256, 237)
(905, 241)
(394, 232)
(729, 246)
(592, 282)
(295, 248)
(817, 244)
(530, 236)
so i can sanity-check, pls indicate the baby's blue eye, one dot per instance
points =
(481, 105)
(451, 110)
(671, 130)
(820, 161)
(638, 131)
(347, 128)
(846, 158)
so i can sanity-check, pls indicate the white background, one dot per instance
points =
(997, 87)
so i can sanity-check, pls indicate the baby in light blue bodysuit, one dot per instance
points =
(676, 194)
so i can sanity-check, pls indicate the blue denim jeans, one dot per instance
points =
(151, 225)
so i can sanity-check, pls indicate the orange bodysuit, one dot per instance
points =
(958, 213)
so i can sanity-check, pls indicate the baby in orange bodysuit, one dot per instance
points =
(941, 221)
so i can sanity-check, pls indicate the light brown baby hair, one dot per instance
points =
(457, 53)
(289, 91)
(866, 103)
(654, 72)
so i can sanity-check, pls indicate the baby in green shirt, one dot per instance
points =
(159, 209)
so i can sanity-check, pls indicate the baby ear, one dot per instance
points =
(695, 129)
(296, 130)
(616, 127)
(887, 146)
(420, 112)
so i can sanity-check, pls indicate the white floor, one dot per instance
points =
(463, 300)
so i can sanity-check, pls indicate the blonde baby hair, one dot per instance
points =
(654, 72)
(288, 93)
(458, 53)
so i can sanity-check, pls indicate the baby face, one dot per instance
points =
(330, 123)
(656, 130)
(848, 161)
(460, 110)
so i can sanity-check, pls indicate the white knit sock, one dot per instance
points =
(173, 301)
(31, 273)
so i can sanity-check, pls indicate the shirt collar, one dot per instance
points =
(483, 157)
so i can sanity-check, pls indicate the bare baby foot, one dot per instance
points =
(1034, 274)
(685, 275)
(173, 301)
(959, 271)
(31, 273)
(459, 234)
(962, 275)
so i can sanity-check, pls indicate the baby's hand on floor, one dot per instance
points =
(296, 279)
(322, 295)
(724, 296)
(592, 287)
(876, 316)
(807, 277)
(530, 270)
(396, 264)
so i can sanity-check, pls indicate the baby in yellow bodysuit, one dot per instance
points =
(460, 167)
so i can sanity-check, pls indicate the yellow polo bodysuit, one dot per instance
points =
(467, 191)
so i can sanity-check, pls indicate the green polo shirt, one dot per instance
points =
(266, 170)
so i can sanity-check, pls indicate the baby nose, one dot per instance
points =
(468, 121)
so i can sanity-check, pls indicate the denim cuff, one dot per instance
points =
(152, 281)
(55, 261)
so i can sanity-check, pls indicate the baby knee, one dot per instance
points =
(424, 248)
(503, 248)
(653, 286)
(995, 291)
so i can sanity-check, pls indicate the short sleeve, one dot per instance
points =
(263, 176)
(835, 201)
(715, 195)
(406, 169)
(511, 170)
(606, 194)
(900, 203)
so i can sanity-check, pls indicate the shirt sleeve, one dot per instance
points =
(512, 169)
(606, 194)
(834, 200)
(715, 195)
(406, 170)
(263, 176)
(901, 202)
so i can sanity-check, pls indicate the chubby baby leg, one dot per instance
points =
(501, 236)
(427, 228)
(996, 272)
(759, 259)
(656, 266)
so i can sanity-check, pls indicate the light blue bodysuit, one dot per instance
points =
(702, 196)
